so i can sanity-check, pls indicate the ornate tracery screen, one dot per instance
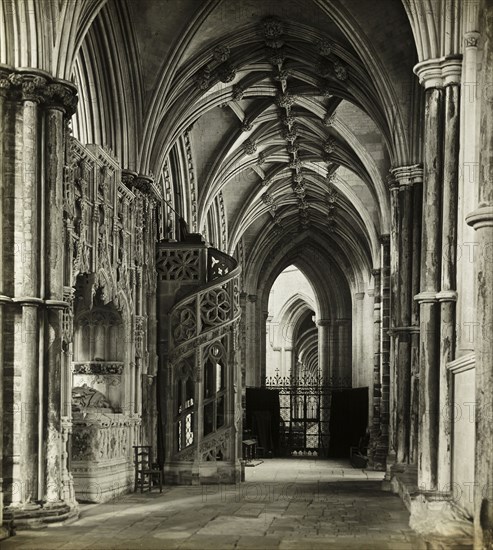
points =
(201, 403)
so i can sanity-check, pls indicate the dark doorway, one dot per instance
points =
(262, 419)
(348, 420)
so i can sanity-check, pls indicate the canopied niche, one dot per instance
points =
(99, 353)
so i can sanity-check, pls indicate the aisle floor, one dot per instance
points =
(285, 504)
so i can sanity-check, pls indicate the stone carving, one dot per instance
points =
(84, 398)
(325, 90)
(293, 148)
(226, 72)
(324, 47)
(276, 56)
(329, 145)
(184, 324)
(329, 120)
(246, 125)
(139, 332)
(471, 41)
(249, 146)
(340, 71)
(261, 159)
(98, 367)
(219, 307)
(221, 54)
(203, 79)
(268, 200)
(281, 75)
(214, 448)
(295, 163)
(102, 440)
(290, 134)
(219, 265)
(285, 99)
(238, 92)
(272, 28)
(178, 265)
(288, 120)
(215, 306)
(52, 93)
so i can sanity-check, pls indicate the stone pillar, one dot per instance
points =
(29, 299)
(263, 344)
(342, 332)
(358, 361)
(394, 314)
(405, 178)
(430, 274)
(252, 367)
(333, 350)
(40, 106)
(482, 221)
(381, 451)
(323, 346)
(468, 188)
(433, 74)
(414, 330)
(4, 299)
(58, 104)
(324, 368)
(447, 296)
(377, 379)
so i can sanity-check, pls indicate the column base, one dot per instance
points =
(434, 515)
(6, 530)
(33, 516)
(203, 473)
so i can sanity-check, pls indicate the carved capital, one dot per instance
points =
(437, 73)
(40, 87)
(406, 176)
(471, 39)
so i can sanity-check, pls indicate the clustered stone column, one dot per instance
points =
(482, 221)
(35, 109)
(380, 442)
(3, 301)
(377, 383)
(441, 79)
(405, 184)
(323, 347)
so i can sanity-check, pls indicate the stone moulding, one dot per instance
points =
(98, 367)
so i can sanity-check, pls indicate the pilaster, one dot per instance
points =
(481, 219)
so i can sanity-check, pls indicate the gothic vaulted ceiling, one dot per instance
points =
(269, 125)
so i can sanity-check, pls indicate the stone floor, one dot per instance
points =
(287, 504)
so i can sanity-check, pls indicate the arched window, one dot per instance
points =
(214, 396)
(185, 408)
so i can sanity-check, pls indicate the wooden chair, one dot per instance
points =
(145, 470)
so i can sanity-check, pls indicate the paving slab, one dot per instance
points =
(284, 504)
